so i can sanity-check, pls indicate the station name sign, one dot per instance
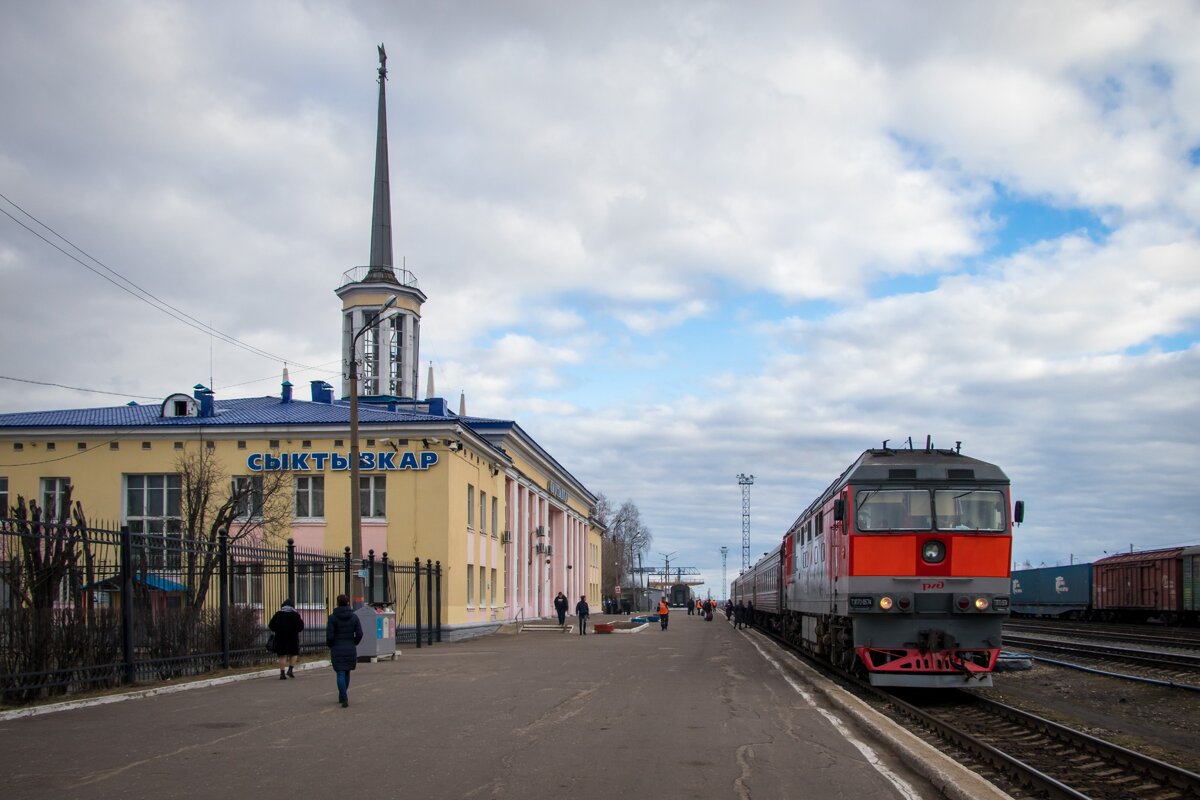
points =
(557, 490)
(337, 462)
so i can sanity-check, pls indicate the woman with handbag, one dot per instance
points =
(285, 631)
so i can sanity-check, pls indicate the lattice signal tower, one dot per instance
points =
(745, 482)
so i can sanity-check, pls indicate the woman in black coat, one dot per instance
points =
(286, 625)
(343, 632)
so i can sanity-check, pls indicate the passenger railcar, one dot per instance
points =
(680, 596)
(900, 569)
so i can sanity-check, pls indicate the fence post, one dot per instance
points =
(417, 594)
(429, 597)
(438, 604)
(347, 592)
(127, 643)
(291, 568)
(370, 567)
(387, 580)
(225, 592)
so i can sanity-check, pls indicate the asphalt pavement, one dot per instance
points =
(698, 711)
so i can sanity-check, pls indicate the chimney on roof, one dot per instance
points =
(322, 392)
(285, 395)
(462, 404)
(208, 405)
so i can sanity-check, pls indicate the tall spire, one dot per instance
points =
(381, 213)
(429, 390)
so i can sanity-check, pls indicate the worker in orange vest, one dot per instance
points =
(663, 612)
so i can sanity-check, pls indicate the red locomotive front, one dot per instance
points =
(901, 569)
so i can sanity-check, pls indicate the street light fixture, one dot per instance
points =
(355, 489)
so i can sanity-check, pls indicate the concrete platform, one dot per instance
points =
(698, 711)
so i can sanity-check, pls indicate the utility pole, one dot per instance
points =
(724, 556)
(745, 482)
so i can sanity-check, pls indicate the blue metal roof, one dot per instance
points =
(247, 411)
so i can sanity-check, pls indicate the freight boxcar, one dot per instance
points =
(1061, 592)
(1139, 586)
(1191, 582)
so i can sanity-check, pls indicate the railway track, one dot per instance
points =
(1176, 638)
(1042, 757)
(1021, 752)
(1173, 668)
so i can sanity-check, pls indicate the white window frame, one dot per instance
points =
(250, 506)
(310, 488)
(52, 494)
(159, 520)
(372, 496)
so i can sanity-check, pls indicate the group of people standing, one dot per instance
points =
(742, 614)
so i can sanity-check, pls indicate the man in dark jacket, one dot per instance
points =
(582, 611)
(343, 632)
(560, 605)
(286, 625)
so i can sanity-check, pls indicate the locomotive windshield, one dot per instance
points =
(969, 509)
(918, 509)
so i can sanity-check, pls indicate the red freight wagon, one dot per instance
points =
(1139, 585)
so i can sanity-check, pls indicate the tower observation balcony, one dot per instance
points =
(389, 275)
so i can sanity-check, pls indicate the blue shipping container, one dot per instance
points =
(1052, 591)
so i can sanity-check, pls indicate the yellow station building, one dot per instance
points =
(510, 525)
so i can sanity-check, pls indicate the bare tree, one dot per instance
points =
(629, 537)
(254, 510)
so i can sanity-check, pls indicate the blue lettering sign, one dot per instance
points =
(339, 462)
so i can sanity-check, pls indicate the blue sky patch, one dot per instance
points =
(1024, 221)
(1174, 343)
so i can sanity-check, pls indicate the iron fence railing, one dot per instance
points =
(83, 609)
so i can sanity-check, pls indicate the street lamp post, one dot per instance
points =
(355, 503)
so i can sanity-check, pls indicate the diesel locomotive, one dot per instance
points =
(899, 570)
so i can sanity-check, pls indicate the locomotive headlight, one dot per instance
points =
(933, 552)
(981, 604)
(885, 603)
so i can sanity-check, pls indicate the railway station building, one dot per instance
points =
(509, 523)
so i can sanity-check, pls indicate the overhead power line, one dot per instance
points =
(131, 288)
(77, 388)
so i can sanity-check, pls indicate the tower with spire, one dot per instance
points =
(388, 351)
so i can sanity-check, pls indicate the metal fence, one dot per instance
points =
(83, 609)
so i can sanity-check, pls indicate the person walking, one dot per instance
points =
(286, 625)
(582, 611)
(664, 613)
(560, 605)
(739, 615)
(343, 632)
(749, 613)
(728, 610)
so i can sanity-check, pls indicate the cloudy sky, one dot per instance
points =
(675, 241)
